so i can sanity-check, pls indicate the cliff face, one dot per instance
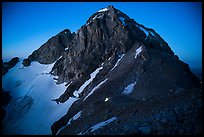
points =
(124, 78)
(50, 51)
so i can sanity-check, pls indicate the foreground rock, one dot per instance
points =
(8, 65)
(177, 113)
(5, 99)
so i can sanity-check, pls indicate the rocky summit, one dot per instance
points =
(125, 79)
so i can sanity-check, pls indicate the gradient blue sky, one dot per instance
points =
(27, 25)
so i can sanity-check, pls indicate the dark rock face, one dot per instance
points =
(103, 37)
(141, 82)
(5, 99)
(50, 51)
(26, 62)
(8, 65)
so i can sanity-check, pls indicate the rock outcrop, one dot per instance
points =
(8, 65)
(50, 51)
(5, 99)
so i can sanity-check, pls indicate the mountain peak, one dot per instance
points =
(110, 7)
(117, 73)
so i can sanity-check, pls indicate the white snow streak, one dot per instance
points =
(152, 33)
(97, 126)
(93, 75)
(35, 89)
(76, 116)
(56, 61)
(117, 62)
(101, 124)
(144, 30)
(98, 16)
(104, 9)
(95, 88)
(129, 88)
(138, 51)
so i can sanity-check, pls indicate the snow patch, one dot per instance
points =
(138, 51)
(104, 9)
(98, 16)
(101, 124)
(93, 75)
(106, 99)
(88, 23)
(95, 88)
(118, 61)
(144, 30)
(129, 89)
(55, 77)
(66, 48)
(122, 20)
(76, 116)
(56, 61)
(147, 33)
(152, 33)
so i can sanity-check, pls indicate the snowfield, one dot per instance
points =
(31, 110)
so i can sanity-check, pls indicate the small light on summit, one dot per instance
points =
(106, 99)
